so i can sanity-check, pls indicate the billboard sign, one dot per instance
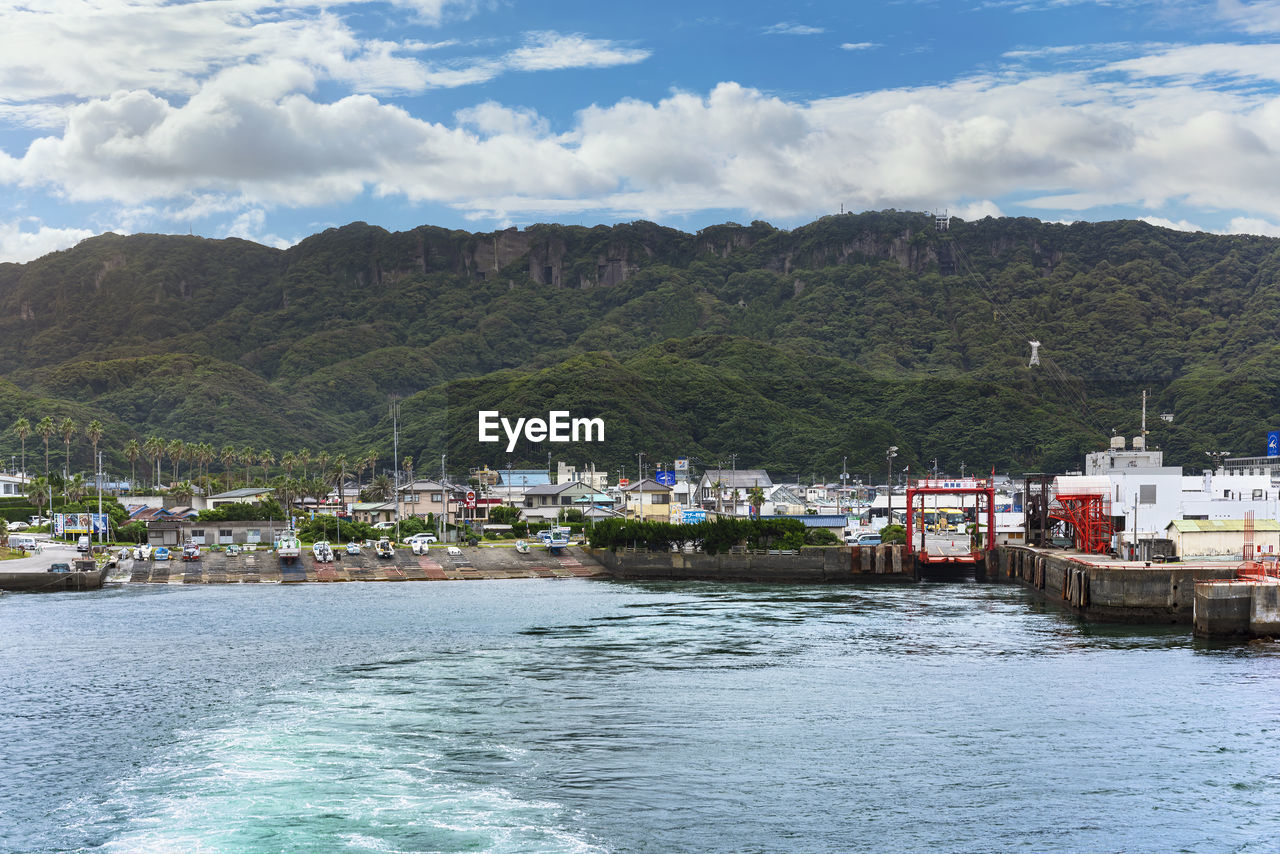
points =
(79, 523)
(622, 481)
(693, 517)
(471, 498)
(682, 464)
(666, 478)
(1273, 443)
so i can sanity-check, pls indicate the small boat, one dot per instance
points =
(232, 550)
(554, 538)
(384, 548)
(190, 551)
(160, 553)
(288, 547)
(353, 548)
(142, 552)
(322, 551)
(522, 547)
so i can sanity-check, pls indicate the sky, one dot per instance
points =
(271, 121)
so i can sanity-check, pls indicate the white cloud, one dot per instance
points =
(978, 210)
(1259, 17)
(544, 51)
(859, 45)
(248, 226)
(19, 243)
(790, 28)
(1253, 225)
(1162, 222)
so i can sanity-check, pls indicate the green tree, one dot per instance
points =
(22, 427)
(93, 432)
(66, 429)
(132, 450)
(154, 448)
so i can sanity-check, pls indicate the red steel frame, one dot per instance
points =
(1089, 515)
(971, 486)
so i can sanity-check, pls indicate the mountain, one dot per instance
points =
(801, 351)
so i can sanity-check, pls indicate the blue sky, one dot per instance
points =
(274, 120)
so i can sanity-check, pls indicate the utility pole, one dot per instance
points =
(395, 455)
(889, 455)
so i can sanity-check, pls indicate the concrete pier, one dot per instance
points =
(1101, 588)
(826, 565)
(1237, 609)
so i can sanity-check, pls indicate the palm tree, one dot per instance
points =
(322, 460)
(38, 492)
(371, 462)
(173, 450)
(288, 459)
(340, 465)
(755, 495)
(154, 449)
(304, 457)
(227, 456)
(381, 487)
(46, 429)
(247, 456)
(408, 467)
(66, 429)
(183, 491)
(265, 458)
(75, 488)
(132, 450)
(287, 490)
(23, 428)
(93, 432)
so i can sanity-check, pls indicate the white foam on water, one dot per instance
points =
(342, 761)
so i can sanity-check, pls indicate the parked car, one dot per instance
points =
(37, 520)
(384, 526)
(867, 540)
(26, 544)
(18, 526)
(161, 553)
(82, 544)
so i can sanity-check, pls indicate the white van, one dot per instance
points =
(27, 544)
(82, 544)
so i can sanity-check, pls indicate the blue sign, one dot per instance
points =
(693, 517)
(1273, 443)
(666, 478)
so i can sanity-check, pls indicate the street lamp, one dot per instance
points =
(888, 456)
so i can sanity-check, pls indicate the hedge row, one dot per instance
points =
(715, 537)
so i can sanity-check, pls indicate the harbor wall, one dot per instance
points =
(1160, 593)
(1237, 609)
(823, 565)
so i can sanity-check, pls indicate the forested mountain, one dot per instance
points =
(791, 349)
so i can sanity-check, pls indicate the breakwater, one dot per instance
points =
(822, 565)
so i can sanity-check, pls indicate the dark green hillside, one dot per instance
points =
(792, 349)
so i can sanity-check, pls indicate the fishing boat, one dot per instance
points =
(554, 538)
(287, 546)
(322, 551)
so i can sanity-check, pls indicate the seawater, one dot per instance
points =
(586, 716)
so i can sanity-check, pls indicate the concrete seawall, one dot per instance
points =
(827, 565)
(1101, 589)
(1237, 609)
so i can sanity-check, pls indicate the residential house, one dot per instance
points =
(372, 512)
(246, 495)
(647, 500)
(12, 485)
(1222, 537)
(728, 491)
(544, 503)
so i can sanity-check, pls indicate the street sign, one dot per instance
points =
(682, 464)
(471, 498)
(666, 478)
(622, 481)
(1273, 443)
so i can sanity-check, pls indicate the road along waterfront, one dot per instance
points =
(595, 716)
